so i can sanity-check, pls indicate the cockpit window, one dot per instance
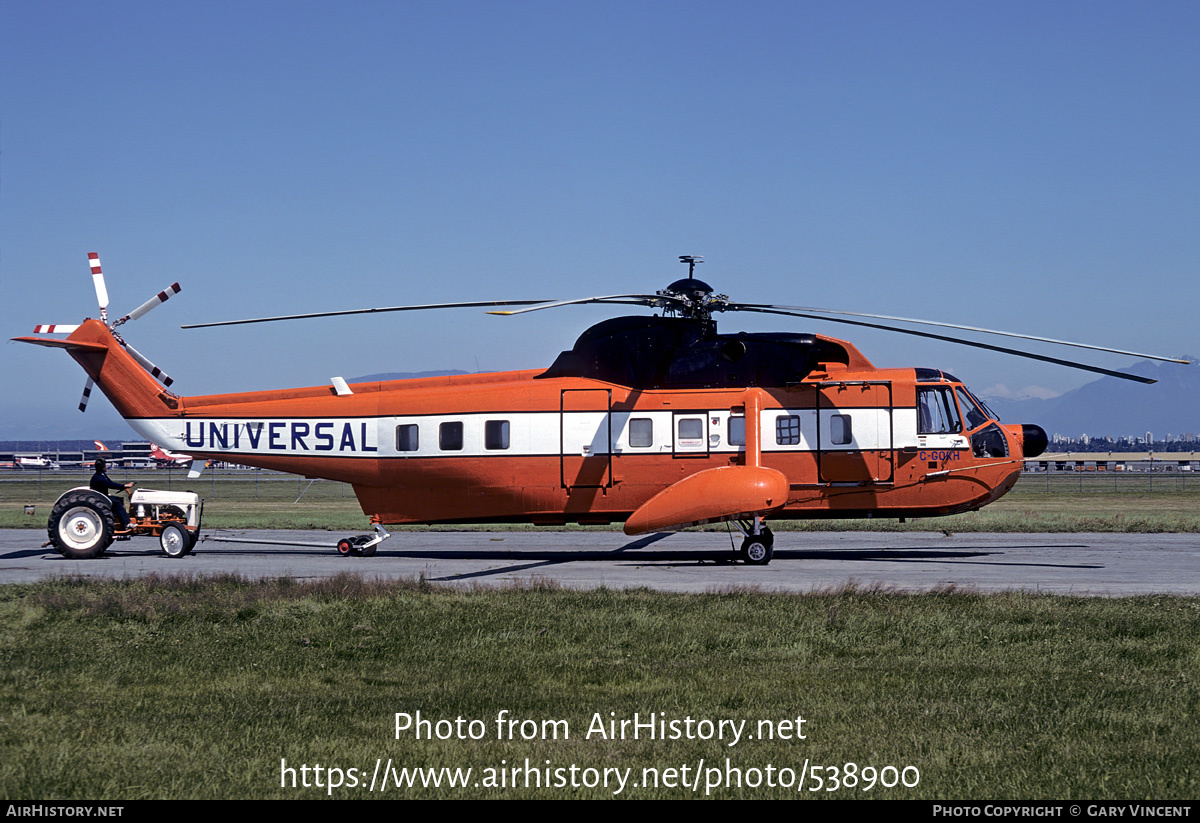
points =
(975, 416)
(986, 408)
(936, 412)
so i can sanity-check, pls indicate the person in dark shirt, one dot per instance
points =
(102, 484)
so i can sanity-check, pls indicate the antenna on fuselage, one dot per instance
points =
(691, 260)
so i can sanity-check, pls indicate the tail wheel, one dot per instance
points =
(81, 525)
(356, 546)
(175, 540)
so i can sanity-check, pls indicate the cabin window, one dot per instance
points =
(495, 434)
(408, 438)
(450, 436)
(841, 433)
(936, 412)
(787, 430)
(690, 428)
(641, 432)
(737, 431)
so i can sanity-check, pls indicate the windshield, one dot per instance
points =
(971, 411)
(986, 408)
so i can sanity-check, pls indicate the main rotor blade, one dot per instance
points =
(157, 300)
(1003, 349)
(473, 305)
(762, 306)
(626, 299)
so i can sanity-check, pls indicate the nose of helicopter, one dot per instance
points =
(1033, 439)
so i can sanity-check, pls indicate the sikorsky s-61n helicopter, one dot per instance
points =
(657, 421)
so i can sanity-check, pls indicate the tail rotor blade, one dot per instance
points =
(155, 372)
(87, 393)
(98, 282)
(157, 300)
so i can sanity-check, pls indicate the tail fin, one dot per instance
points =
(124, 382)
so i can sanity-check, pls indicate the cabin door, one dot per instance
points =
(854, 432)
(585, 439)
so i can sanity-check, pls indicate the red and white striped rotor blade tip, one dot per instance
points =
(157, 300)
(155, 372)
(98, 280)
(58, 328)
(87, 393)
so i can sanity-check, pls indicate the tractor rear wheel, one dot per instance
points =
(81, 525)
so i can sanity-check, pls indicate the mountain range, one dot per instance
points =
(1111, 407)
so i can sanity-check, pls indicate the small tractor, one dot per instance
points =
(82, 524)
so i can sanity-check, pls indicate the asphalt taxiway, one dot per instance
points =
(1090, 564)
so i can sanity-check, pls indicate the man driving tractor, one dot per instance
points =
(102, 484)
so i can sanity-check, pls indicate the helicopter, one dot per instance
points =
(656, 421)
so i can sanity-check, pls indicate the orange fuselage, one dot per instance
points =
(844, 439)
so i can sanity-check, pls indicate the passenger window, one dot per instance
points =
(691, 429)
(408, 438)
(450, 437)
(787, 430)
(495, 434)
(737, 431)
(840, 431)
(936, 412)
(641, 432)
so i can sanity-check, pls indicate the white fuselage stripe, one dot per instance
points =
(544, 433)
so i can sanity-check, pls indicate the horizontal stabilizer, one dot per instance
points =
(724, 493)
(62, 344)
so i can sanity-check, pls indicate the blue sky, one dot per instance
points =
(1027, 166)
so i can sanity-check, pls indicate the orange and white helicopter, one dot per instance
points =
(657, 421)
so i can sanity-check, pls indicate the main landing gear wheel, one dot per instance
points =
(175, 540)
(758, 549)
(81, 525)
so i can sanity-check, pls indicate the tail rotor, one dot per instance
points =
(102, 299)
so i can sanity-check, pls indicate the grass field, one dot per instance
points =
(189, 689)
(1084, 502)
(223, 688)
